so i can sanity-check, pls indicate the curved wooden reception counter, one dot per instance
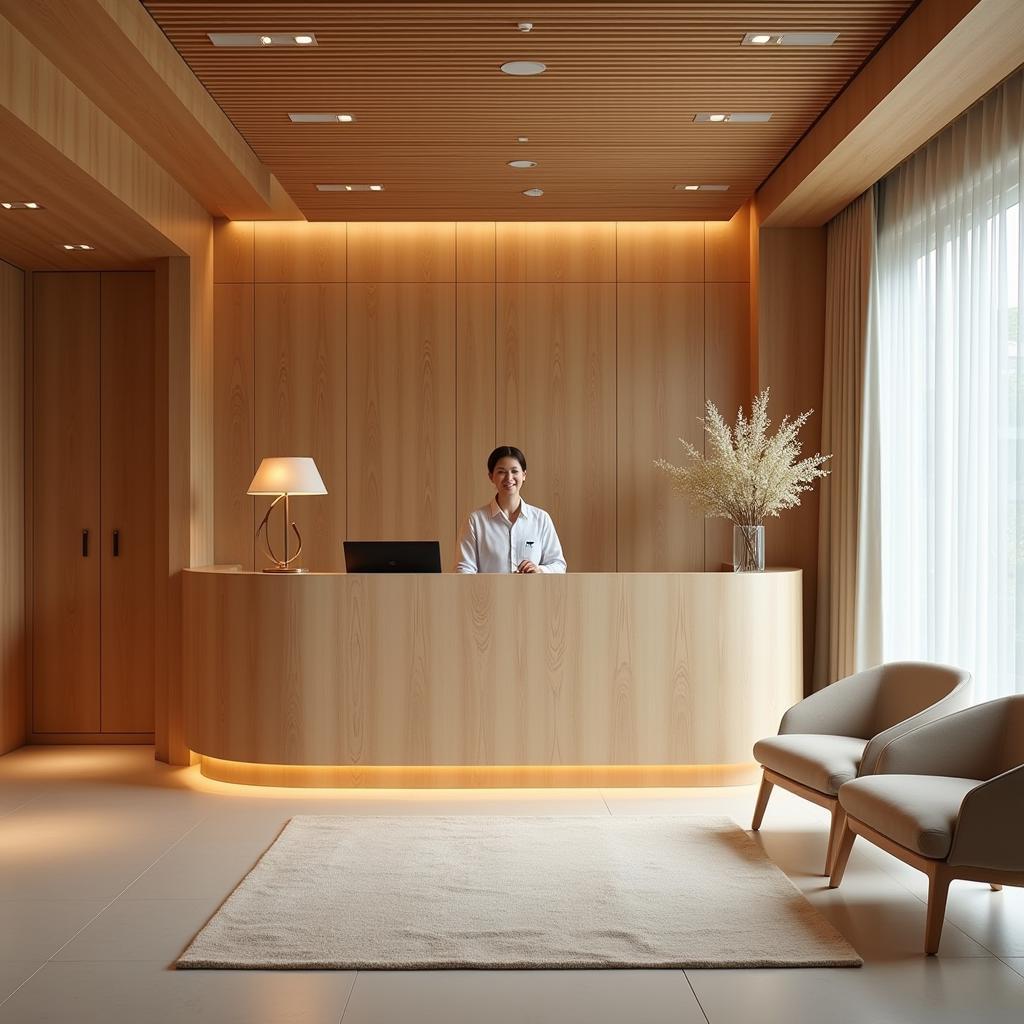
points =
(491, 680)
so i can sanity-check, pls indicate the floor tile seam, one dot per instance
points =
(20, 807)
(1004, 960)
(351, 991)
(116, 897)
(10, 995)
(700, 1005)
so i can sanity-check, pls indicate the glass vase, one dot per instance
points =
(747, 548)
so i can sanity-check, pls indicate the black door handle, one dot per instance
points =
(85, 543)
(117, 543)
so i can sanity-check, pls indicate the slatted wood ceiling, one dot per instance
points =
(610, 123)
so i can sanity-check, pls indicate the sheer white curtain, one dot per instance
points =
(951, 443)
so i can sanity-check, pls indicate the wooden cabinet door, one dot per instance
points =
(128, 541)
(66, 502)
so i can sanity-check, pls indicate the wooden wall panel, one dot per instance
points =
(791, 333)
(661, 251)
(401, 413)
(127, 502)
(299, 253)
(300, 409)
(475, 243)
(234, 423)
(233, 251)
(403, 253)
(656, 347)
(726, 383)
(556, 400)
(563, 252)
(66, 501)
(727, 245)
(475, 436)
(660, 397)
(13, 612)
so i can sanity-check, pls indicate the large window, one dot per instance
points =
(946, 347)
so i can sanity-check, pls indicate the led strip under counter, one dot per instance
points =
(526, 776)
(597, 679)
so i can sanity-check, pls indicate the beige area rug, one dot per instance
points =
(363, 893)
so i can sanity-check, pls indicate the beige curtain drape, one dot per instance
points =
(848, 633)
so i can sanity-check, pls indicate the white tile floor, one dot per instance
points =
(109, 863)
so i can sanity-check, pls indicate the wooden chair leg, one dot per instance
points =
(842, 855)
(938, 889)
(995, 886)
(834, 832)
(762, 802)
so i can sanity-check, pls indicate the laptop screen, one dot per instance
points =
(392, 556)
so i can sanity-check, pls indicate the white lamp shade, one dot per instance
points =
(287, 476)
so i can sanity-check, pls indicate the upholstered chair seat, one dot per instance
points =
(835, 735)
(917, 811)
(822, 762)
(946, 798)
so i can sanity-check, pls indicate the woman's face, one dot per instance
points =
(508, 476)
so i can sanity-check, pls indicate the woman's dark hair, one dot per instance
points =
(505, 451)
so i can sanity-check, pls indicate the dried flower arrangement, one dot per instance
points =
(746, 475)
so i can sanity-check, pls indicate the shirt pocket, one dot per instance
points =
(529, 550)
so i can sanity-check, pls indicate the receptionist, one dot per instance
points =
(507, 535)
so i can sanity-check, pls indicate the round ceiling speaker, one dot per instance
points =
(524, 67)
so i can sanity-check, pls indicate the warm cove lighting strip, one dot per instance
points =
(477, 776)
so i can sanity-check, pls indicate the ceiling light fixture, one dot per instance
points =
(790, 38)
(522, 163)
(19, 205)
(524, 67)
(321, 118)
(350, 188)
(525, 26)
(742, 117)
(523, 138)
(261, 39)
(702, 188)
(533, 193)
(76, 246)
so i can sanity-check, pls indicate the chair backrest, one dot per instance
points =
(1009, 752)
(906, 688)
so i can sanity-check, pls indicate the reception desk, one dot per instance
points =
(492, 680)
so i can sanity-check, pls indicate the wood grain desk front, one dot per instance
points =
(446, 680)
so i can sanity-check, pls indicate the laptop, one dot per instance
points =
(392, 556)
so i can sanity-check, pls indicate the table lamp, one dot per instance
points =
(285, 477)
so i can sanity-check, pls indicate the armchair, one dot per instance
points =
(946, 798)
(838, 733)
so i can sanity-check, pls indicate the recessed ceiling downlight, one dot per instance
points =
(261, 38)
(790, 38)
(350, 188)
(534, 193)
(742, 117)
(524, 67)
(321, 118)
(522, 163)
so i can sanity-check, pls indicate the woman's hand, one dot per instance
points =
(526, 566)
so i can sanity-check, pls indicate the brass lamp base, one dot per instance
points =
(290, 570)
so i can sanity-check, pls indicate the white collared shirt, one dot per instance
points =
(490, 543)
